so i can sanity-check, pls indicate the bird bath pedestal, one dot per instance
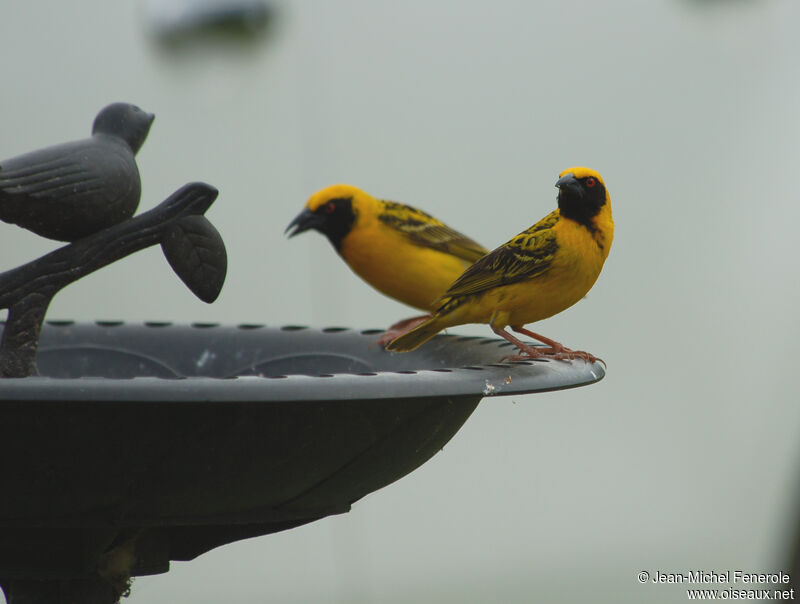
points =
(141, 444)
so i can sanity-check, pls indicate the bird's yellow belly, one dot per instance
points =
(409, 273)
(523, 303)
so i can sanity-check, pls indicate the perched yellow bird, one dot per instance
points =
(535, 275)
(399, 250)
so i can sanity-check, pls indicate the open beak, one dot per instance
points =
(304, 221)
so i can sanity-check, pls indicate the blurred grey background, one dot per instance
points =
(683, 458)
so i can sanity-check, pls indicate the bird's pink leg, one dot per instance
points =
(530, 352)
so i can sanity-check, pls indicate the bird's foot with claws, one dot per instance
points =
(556, 353)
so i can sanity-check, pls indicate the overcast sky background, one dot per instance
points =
(683, 458)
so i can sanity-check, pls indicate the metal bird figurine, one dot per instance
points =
(74, 189)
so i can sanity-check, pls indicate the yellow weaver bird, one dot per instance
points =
(535, 275)
(399, 250)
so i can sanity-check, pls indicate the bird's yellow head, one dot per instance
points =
(581, 172)
(582, 194)
(332, 211)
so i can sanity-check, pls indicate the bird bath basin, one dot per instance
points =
(164, 441)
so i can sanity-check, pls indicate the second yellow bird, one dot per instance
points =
(535, 275)
(399, 250)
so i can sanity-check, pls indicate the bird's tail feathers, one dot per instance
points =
(413, 339)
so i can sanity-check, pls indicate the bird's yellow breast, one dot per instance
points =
(576, 266)
(390, 262)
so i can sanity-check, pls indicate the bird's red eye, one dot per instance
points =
(330, 207)
(590, 182)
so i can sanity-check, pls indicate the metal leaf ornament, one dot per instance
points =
(196, 252)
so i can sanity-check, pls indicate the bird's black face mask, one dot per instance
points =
(334, 219)
(580, 199)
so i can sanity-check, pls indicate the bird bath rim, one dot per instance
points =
(214, 362)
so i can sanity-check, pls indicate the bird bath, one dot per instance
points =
(141, 444)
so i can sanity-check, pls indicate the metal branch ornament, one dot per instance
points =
(86, 192)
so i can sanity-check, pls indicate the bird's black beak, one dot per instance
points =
(304, 221)
(568, 183)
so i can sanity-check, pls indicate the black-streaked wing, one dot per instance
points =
(423, 229)
(527, 255)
